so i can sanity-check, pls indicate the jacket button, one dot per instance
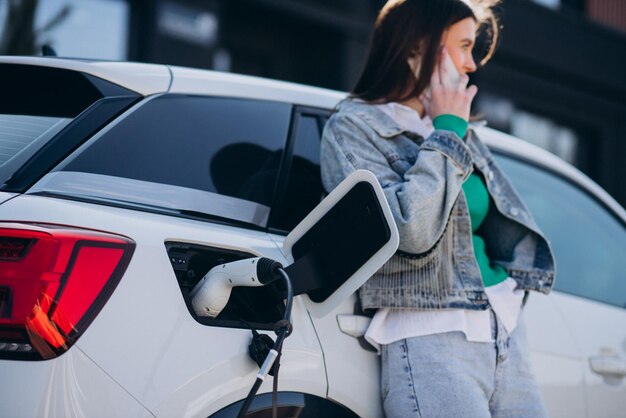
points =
(514, 211)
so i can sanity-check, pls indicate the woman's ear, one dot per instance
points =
(415, 64)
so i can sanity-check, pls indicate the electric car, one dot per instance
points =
(123, 184)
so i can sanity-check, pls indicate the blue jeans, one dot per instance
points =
(444, 375)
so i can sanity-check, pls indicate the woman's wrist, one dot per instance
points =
(448, 122)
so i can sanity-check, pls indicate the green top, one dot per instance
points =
(451, 123)
(478, 201)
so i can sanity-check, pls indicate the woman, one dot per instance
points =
(448, 303)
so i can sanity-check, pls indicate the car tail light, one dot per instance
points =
(53, 282)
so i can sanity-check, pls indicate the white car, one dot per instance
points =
(122, 184)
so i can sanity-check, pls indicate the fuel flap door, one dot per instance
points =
(341, 243)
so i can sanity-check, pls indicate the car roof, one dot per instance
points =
(195, 81)
(148, 79)
(144, 79)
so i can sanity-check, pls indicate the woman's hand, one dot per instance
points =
(447, 97)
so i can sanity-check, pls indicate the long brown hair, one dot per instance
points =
(405, 27)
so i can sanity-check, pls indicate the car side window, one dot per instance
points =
(303, 189)
(588, 241)
(225, 146)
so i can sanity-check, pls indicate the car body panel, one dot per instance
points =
(216, 384)
(599, 332)
(555, 358)
(72, 385)
(179, 366)
(4, 196)
(353, 371)
(195, 81)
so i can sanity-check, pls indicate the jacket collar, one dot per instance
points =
(374, 117)
(478, 150)
(386, 127)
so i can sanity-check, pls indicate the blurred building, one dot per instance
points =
(557, 79)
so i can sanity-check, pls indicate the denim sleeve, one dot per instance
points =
(421, 200)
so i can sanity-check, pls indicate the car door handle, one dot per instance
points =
(353, 325)
(608, 366)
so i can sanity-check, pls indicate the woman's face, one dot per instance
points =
(459, 40)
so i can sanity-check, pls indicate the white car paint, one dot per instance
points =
(4, 196)
(71, 386)
(599, 332)
(145, 79)
(194, 81)
(179, 367)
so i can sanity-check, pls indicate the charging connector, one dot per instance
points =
(211, 294)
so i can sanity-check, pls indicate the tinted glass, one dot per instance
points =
(589, 243)
(43, 91)
(304, 188)
(232, 147)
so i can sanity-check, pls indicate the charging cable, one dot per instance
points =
(283, 329)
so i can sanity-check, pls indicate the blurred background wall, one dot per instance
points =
(558, 78)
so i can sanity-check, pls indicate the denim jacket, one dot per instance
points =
(435, 266)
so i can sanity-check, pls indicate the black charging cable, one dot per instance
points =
(283, 329)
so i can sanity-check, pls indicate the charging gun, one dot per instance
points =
(211, 294)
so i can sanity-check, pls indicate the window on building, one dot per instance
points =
(552, 4)
(539, 130)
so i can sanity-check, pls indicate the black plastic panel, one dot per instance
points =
(45, 91)
(339, 244)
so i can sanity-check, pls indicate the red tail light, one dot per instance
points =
(53, 282)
